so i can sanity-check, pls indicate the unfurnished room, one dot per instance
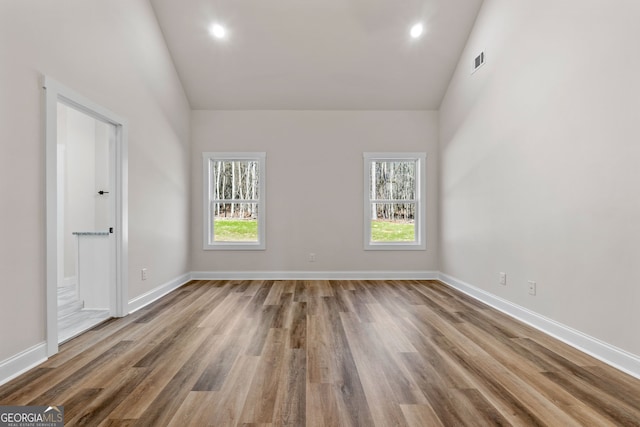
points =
(320, 213)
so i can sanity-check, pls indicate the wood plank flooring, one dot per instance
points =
(324, 353)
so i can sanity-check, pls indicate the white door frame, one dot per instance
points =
(55, 92)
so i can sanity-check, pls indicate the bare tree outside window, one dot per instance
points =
(236, 192)
(393, 200)
(393, 194)
(235, 200)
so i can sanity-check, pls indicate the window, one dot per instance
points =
(234, 200)
(394, 211)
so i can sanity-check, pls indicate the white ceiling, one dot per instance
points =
(316, 54)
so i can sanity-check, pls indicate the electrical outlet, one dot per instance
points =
(532, 287)
(503, 279)
(312, 257)
(144, 274)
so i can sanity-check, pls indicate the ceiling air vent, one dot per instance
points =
(478, 62)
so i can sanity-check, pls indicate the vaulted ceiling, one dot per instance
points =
(316, 54)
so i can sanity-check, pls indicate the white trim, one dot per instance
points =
(420, 242)
(147, 298)
(611, 355)
(314, 275)
(30, 358)
(122, 219)
(607, 353)
(51, 174)
(22, 362)
(53, 93)
(207, 244)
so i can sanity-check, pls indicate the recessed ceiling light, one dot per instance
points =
(416, 30)
(218, 31)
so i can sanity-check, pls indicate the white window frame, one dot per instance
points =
(208, 231)
(420, 242)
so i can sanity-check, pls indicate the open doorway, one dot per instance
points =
(86, 214)
(84, 218)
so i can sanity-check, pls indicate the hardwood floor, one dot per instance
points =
(324, 353)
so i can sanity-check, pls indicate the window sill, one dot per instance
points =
(394, 247)
(233, 246)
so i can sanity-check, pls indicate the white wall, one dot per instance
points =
(114, 54)
(539, 162)
(314, 185)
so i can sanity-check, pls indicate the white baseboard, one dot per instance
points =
(22, 362)
(314, 275)
(611, 355)
(607, 353)
(31, 357)
(145, 299)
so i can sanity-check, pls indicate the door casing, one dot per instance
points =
(55, 92)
